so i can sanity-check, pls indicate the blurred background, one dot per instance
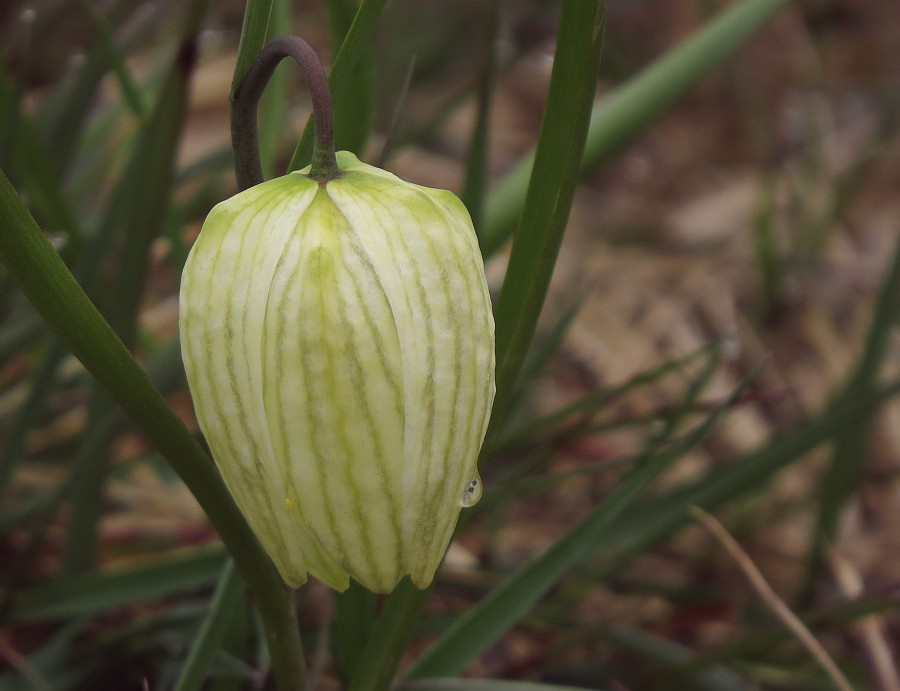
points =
(756, 219)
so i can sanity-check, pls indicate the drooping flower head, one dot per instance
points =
(339, 345)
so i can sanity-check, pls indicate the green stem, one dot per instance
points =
(47, 282)
(244, 137)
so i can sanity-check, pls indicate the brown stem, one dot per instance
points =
(244, 104)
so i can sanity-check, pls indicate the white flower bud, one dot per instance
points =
(339, 345)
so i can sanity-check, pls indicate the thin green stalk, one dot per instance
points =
(358, 38)
(225, 601)
(254, 34)
(46, 281)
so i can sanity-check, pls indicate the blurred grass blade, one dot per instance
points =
(550, 191)
(659, 655)
(143, 193)
(273, 104)
(619, 118)
(69, 110)
(32, 166)
(849, 452)
(107, 42)
(354, 115)
(226, 600)
(89, 469)
(475, 181)
(651, 521)
(765, 250)
(357, 41)
(161, 135)
(763, 642)
(93, 593)
(473, 632)
(29, 412)
(590, 404)
(46, 281)
(477, 685)
(19, 331)
(52, 667)
(387, 145)
(254, 33)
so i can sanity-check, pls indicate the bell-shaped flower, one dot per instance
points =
(339, 345)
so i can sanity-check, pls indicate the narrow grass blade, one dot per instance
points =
(121, 214)
(51, 667)
(31, 166)
(478, 685)
(591, 404)
(73, 105)
(651, 521)
(254, 33)
(622, 116)
(482, 625)
(130, 91)
(765, 642)
(354, 115)
(475, 181)
(546, 345)
(849, 451)
(144, 191)
(661, 654)
(89, 471)
(765, 250)
(357, 41)
(550, 191)
(92, 593)
(226, 599)
(273, 104)
(27, 416)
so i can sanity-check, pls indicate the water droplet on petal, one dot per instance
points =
(472, 492)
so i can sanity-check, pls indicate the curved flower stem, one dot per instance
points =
(244, 138)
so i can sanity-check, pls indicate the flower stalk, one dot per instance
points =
(244, 138)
